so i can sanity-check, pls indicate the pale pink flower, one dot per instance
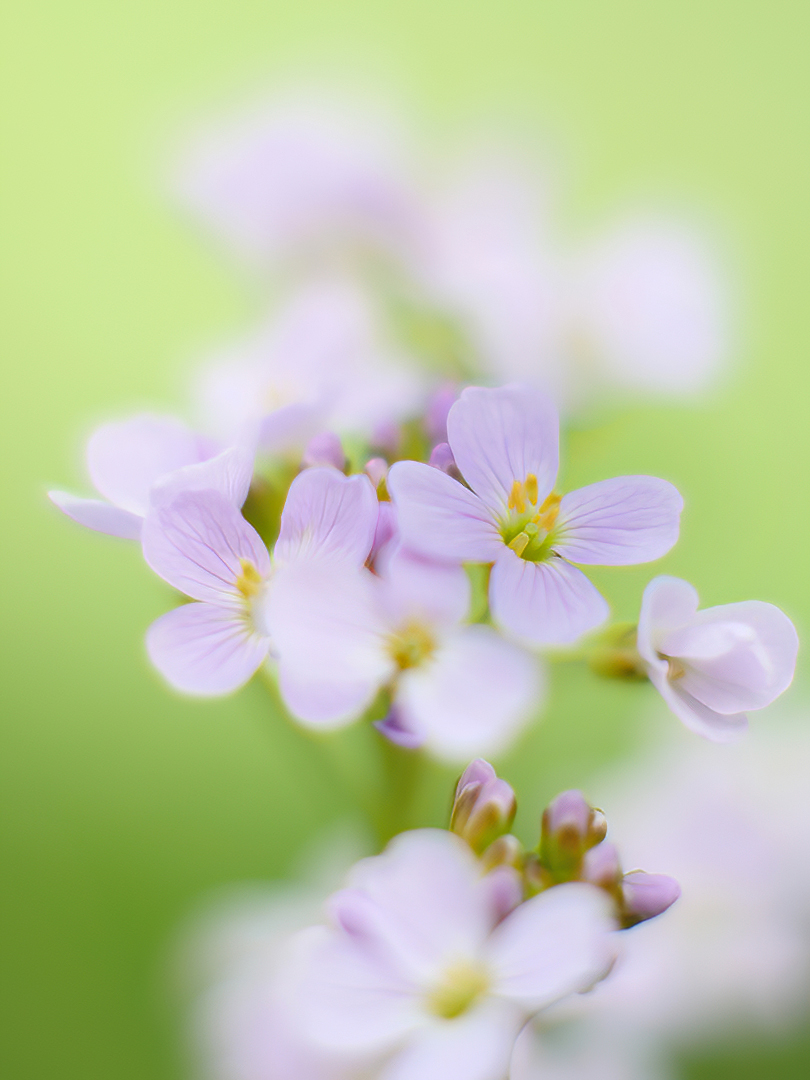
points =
(713, 666)
(200, 543)
(126, 458)
(457, 689)
(505, 445)
(420, 968)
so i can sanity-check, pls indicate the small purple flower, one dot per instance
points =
(200, 543)
(126, 458)
(457, 689)
(420, 967)
(505, 444)
(713, 666)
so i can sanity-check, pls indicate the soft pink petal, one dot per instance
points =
(499, 436)
(420, 589)
(205, 649)
(545, 603)
(98, 515)
(667, 603)
(737, 656)
(429, 902)
(474, 1046)
(125, 458)
(439, 517)
(555, 944)
(197, 542)
(324, 620)
(229, 473)
(475, 696)
(328, 515)
(323, 704)
(290, 427)
(715, 726)
(619, 522)
(348, 999)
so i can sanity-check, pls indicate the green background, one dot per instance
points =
(122, 804)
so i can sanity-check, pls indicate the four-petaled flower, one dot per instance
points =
(505, 444)
(200, 543)
(713, 666)
(426, 967)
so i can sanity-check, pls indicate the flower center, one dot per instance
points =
(458, 989)
(528, 529)
(250, 581)
(411, 646)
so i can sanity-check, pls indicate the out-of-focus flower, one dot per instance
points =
(734, 953)
(321, 362)
(505, 443)
(647, 307)
(200, 544)
(484, 807)
(305, 178)
(457, 689)
(126, 458)
(712, 666)
(418, 966)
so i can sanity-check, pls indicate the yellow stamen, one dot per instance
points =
(517, 499)
(461, 985)
(520, 543)
(250, 581)
(411, 646)
(531, 488)
(547, 514)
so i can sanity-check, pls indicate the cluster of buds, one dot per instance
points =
(572, 846)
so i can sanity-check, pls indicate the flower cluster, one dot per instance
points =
(367, 512)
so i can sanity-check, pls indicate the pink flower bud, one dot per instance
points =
(646, 895)
(601, 866)
(570, 827)
(437, 410)
(376, 469)
(484, 807)
(324, 449)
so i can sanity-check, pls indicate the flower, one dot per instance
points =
(712, 666)
(127, 458)
(456, 689)
(200, 543)
(418, 965)
(505, 443)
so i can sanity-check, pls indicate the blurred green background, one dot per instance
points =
(122, 804)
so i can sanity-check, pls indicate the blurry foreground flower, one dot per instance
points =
(712, 666)
(420, 967)
(505, 444)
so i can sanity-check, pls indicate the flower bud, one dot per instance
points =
(646, 895)
(376, 469)
(570, 827)
(601, 866)
(484, 806)
(505, 851)
(324, 449)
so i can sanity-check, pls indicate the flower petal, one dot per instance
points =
(474, 697)
(667, 603)
(545, 603)
(197, 542)
(619, 522)
(205, 649)
(439, 517)
(229, 473)
(98, 515)
(475, 1046)
(555, 944)
(499, 436)
(715, 726)
(328, 515)
(736, 656)
(322, 704)
(423, 590)
(125, 458)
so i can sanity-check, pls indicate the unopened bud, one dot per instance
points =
(376, 469)
(570, 827)
(601, 866)
(505, 851)
(484, 806)
(437, 409)
(324, 449)
(442, 458)
(646, 895)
